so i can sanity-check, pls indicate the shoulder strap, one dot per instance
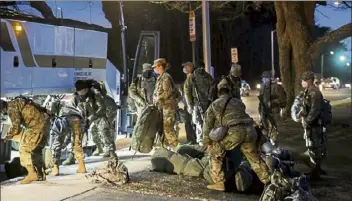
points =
(222, 113)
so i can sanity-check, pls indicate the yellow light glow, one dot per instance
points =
(18, 28)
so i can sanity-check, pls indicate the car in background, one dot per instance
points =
(245, 88)
(332, 82)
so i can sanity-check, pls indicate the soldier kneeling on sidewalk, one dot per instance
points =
(227, 126)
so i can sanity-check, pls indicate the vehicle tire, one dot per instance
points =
(15, 145)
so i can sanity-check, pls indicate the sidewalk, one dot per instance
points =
(68, 184)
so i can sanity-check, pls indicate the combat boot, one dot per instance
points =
(98, 150)
(217, 187)
(55, 170)
(70, 160)
(81, 166)
(32, 175)
(41, 173)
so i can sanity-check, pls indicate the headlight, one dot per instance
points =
(258, 86)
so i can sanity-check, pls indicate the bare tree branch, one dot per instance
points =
(43, 8)
(339, 34)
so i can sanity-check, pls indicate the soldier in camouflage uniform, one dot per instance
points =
(164, 98)
(197, 96)
(142, 88)
(271, 99)
(234, 80)
(241, 133)
(71, 121)
(92, 105)
(312, 124)
(30, 126)
(188, 68)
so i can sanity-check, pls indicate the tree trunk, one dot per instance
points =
(285, 56)
(294, 24)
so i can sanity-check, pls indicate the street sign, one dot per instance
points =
(234, 55)
(192, 26)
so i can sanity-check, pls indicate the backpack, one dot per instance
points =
(36, 105)
(326, 115)
(203, 83)
(146, 128)
(111, 106)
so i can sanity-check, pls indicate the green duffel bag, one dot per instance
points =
(170, 162)
(145, 130)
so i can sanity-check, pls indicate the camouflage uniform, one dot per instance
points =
(94, 110)
(241, 133)
(272, 98)
(164, 98)
(234, 81)
(190, 133)
(72, 122)
(30, 126)
(142, 88)
(311, 123)
(192, 88)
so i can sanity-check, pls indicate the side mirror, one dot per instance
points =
(90, 63)
(15, 61)
(53, 62)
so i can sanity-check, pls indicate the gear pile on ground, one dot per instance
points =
(287, 189)
(113, 172)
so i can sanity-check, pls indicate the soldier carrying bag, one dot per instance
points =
(217, 134)
(147, 126)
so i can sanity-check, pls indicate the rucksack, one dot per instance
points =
(326, 115)
(146, 128)
(203, 83)
(36, 105)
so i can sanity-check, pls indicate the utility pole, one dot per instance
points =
(272, 54)
(206, 35)
(322, 66)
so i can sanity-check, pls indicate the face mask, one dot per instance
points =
(185, 71)
(304, 84)
(155, 71)
(147, 74)
(265, 80)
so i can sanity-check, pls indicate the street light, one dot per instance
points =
(342, 58)
(332, 52)
(348, 64)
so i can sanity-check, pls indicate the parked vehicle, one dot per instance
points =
(245, 88)
(332, 82)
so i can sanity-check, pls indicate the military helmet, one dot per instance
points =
(81, 84)
(147, 67)
(188, 63)
(160, 61)
(266, 74)
(235, 70)
(267, 147)
(309, 75)
(223, 84)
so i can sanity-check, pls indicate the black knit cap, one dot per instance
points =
(81, 84)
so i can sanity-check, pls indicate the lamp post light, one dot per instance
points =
(322, 64)
(348, 64)
(342, 58)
